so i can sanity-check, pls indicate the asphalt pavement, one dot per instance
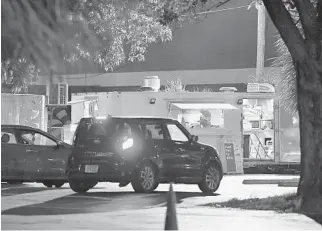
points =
(33, 206)
(95, 201)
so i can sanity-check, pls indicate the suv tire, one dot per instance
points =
(210, 180)
(145, 178)
(80, 186)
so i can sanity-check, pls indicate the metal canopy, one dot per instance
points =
(204, 106)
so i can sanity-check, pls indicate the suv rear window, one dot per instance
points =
(93, 129)
(89, 129)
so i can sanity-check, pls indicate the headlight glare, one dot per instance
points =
(127, 144)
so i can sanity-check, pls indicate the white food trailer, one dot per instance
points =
(243, 126)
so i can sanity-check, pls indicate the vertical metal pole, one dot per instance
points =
(261, 27)
(50, 111)
(277, 130)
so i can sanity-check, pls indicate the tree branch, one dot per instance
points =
(218, 4)
(308, 18)
(287, 28)
(319, 23)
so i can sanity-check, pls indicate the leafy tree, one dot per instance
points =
(17, 74)
(178, 86)
(175, 86)
(287, 84)
(48, 32)
(299, 23)
(110, 33)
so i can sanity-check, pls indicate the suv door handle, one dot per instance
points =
(160, 148)
(184, 156)
(180, 150)
(31, 150)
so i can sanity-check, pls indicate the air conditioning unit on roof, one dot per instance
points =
(151, 83)
(57, 93)
(260, 88)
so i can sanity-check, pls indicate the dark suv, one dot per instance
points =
(142, 151)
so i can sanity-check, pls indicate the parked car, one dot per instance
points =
(142, 151)
(32, 155)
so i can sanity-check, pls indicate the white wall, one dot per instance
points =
(134, 105)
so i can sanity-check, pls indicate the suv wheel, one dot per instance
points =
(210, 180)
(80, 186)
(145, 178)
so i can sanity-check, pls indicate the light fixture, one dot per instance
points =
(152, 100)
(240, 102)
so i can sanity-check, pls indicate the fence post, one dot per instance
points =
(171, 215)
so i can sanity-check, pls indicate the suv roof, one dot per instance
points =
(19, 127)
(146, 118)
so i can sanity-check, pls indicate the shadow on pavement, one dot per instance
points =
(96, 202)
(16, 189)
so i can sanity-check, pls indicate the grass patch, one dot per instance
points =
(284, 203)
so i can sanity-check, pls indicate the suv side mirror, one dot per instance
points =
(194, 138)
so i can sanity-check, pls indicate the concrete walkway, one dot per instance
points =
(153, 219)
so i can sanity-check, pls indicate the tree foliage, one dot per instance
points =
(54, 30)
(48, 33)
(107, 32)
(178, 86)
(285, 79)
(119, 26)
(17, 74)
(282, 77)
(175, 86)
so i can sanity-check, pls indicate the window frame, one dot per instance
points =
(19, 132)
(155, 123)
